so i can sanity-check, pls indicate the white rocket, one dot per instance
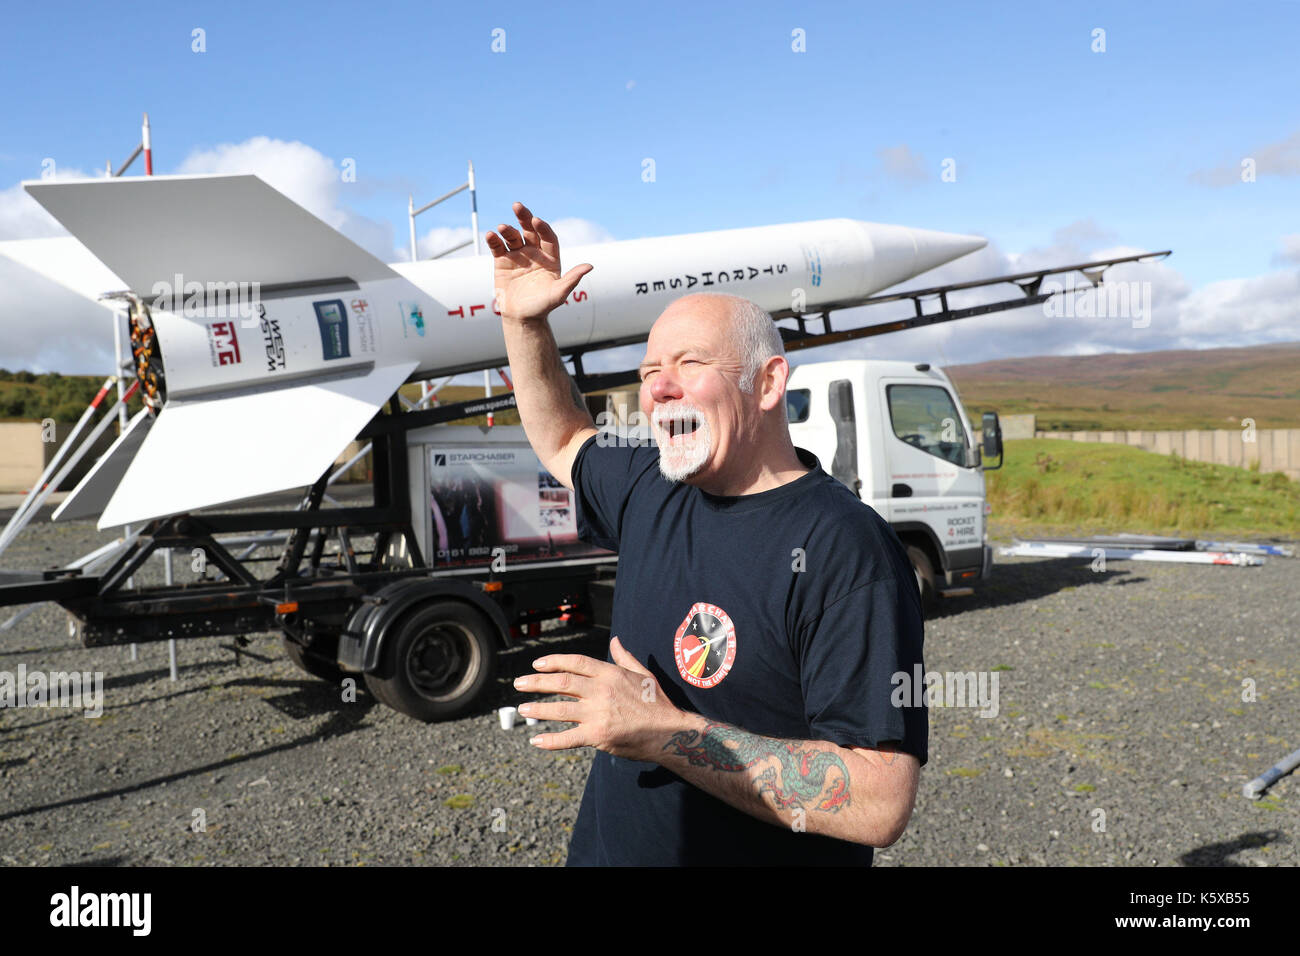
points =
(264, 340)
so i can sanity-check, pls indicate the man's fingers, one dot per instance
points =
(561, 682)
(544, 229)
(566, 710)
(511, 235)
(573, 663)
(570, 738)
(501, 249)
(570, 279)
(623, 658)
(546, 238)
(526, 223)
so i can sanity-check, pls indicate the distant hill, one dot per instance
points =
(25, 396)
(1210, 388)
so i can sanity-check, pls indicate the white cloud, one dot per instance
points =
(1290, 250)
(21, 216)
(1272, 159)
(441, 238)
(1225, 314)
(46, 327)
(50, 329)
(579, 232)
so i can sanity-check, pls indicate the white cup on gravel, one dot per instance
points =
(507, 715)
(530, 721)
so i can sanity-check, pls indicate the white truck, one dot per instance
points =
(897, 435)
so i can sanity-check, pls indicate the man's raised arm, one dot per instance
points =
(526, 276)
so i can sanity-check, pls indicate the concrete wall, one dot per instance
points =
(1276, 449)
(23, 454)
(359, 471)
(1013, 426)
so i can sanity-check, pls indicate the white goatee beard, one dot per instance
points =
(677, 463)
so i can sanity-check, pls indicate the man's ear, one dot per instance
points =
(770, 382)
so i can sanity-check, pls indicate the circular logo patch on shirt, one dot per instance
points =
(705, 646)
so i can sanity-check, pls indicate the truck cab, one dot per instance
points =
(897, 435)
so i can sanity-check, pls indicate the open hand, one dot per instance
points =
(526, 268)
(618, 708)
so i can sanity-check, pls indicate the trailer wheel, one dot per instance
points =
(925, 580)
(437, 662)
(310, 663)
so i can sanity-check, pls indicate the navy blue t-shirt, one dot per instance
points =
(785, 613)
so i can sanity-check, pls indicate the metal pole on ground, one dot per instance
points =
(171, 644)
(1272, 775)
(63, 449)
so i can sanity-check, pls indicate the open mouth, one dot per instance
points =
(681, 425)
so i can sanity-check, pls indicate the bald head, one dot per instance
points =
(751, 334)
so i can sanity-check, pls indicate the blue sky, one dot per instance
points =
(1057, 148)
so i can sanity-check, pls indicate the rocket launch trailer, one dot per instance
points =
(465, 543)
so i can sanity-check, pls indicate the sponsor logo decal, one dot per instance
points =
(412, 318)
(332, 317)
(813, 260)
(272, 341)
(223, 343)
(705, 645)
(367, 327)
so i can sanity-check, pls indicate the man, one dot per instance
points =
(744, 715)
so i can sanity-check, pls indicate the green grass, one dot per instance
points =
(1057, 485)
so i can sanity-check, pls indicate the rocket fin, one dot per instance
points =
(225, 229)
(222, 449)
(93, 491)
(67, 262)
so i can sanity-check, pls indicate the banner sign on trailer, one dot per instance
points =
(499, 497)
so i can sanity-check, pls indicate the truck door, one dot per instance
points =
(929, 482)
(826, 419)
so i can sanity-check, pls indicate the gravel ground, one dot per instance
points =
(1121, 738)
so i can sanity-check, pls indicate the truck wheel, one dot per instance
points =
(925, 580)
(436, 663)
(311, 663)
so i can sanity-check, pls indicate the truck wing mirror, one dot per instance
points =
(992, 444)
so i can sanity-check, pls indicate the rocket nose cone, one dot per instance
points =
(936, 248)
(899, 253)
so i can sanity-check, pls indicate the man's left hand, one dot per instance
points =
(618, 708)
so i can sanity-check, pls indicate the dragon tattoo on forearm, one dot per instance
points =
(798, 779)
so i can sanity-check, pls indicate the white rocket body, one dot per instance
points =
(442, 314)
(280, 338)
